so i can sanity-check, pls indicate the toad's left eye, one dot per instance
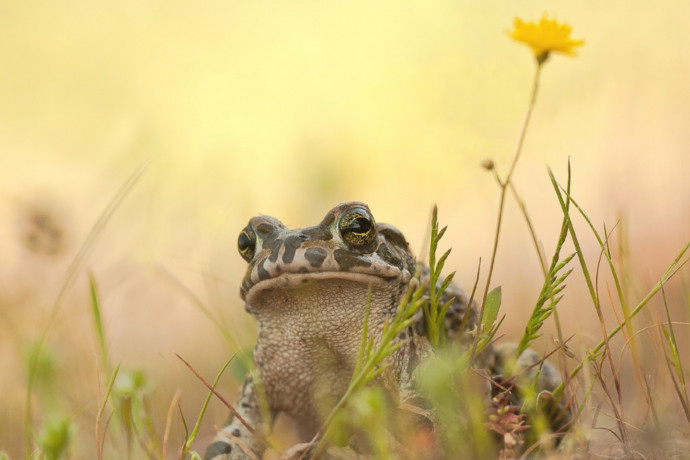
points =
(357, 227)
(246, 243)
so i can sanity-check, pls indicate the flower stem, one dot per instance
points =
(504, 184)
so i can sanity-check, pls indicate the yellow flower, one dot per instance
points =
(546, 36)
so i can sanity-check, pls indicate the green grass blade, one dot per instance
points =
(493, 305)
(606, 251)
(98, 323)
(363, 346)
(675, 361)
(197, 425)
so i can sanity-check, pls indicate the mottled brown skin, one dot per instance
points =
(308, 290)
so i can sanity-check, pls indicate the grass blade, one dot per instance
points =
(98, 323)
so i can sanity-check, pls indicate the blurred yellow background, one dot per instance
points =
(288, 108)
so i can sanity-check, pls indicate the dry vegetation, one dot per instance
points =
(626, 391)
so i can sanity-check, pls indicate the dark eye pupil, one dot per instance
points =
(359, 225)
(246, 243)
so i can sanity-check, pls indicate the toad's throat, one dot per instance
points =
(323, 305)
(310, 334)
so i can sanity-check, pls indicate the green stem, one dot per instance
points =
(505, 185)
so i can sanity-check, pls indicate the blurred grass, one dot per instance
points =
(289, 109)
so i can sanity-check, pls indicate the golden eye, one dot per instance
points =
(357, 228)
(246, 243)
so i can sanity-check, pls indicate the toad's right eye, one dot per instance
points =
(357, 227)
(246, 243)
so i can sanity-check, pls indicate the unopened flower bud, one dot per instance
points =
(487, 164)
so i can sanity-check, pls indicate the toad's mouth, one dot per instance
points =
(316, 281)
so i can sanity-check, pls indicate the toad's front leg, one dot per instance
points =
(236, 441)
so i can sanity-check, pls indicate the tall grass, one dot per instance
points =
(467, 424)
(449, 381)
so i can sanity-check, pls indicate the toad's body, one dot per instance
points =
(309, 290)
